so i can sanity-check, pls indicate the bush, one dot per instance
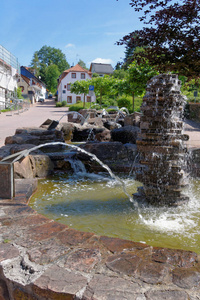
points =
(64, 103)
(124, 102)
(58, 104)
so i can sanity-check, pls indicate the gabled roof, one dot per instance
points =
(76, 68)
(26, 79)
(101, 68)
(27, 72)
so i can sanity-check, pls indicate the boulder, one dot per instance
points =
(92, 113)
(103, 136)
(132, 119)
(24, 169)
(126, 134)
(33, 166)
(105, 151)
(35, 136)
(42, 164)
(110, 125)
(67, 129)
(85, 132)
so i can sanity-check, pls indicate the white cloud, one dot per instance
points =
(70, 46)
(103, 60)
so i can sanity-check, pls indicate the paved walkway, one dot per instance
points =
(37, 114)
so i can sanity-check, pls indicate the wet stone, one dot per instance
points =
(83, 260)
(151, 272)
(56, 280)
(186, 278)
(118, 245)
(166, 295)
(126, 263)
(161, 137)
(112, 288)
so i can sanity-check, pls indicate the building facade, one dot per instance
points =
(32, 87)
(66, 79)
(9, 74)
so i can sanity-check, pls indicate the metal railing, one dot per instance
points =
(16, 106)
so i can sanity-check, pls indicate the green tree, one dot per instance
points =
(80, 87)
(35, 64)
(102, 85)
(136, 79)
(52, 73)
(19, 93)
(82, 64)
(47, 56)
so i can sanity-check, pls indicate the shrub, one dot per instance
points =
(64, 103)
(58, 104)
(124, 102)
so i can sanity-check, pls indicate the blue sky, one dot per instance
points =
(82, 29)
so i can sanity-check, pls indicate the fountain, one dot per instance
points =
(161, 143)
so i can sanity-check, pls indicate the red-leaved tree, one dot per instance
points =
(171, 37)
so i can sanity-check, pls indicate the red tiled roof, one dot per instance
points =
(76, 68)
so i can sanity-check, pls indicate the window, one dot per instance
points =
(78, 99)
(82, 75)
(73, 75)
(64, 91)
(69, 99)
(88, 99)
(22, 88)
(68, 86)
(65, 86)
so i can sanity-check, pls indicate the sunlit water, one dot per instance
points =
(98, 204)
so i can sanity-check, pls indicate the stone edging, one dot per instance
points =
(42, 259)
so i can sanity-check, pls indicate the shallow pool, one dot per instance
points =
(98, 204)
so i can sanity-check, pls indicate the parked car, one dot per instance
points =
(41, 100)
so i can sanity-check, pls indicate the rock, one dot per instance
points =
(166, 295)
(132, 119)
(110, 124)
(103, 136)
(35, 136)
(126, 134)
(186, 278)
(92, 113)
(67, 129)
(24, 168)
(82, 133)
(106, 151)
(5, 151)
(43, 165)
(33, 166)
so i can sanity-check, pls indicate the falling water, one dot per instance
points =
(26, 152)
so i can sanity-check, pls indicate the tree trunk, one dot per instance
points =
(133, 99)
(84, 101)
(100, 97)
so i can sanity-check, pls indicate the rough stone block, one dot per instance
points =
(6, 181)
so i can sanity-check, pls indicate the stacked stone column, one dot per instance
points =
(161, 142)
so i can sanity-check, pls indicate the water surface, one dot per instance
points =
(98, 204)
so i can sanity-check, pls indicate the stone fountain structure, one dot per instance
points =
(161, 142)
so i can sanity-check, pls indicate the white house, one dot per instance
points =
(9, 74)
(67, 78)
